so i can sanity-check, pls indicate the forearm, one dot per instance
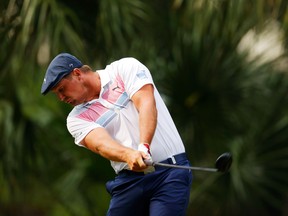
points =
(147, 121)
(100, 142)
(145, 103)
(111, 151)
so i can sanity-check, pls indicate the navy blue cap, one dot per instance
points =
(60, 66)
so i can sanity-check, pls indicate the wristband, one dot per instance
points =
(148, 147)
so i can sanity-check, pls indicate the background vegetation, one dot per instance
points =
(221, 66)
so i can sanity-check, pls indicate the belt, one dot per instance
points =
(175, 159)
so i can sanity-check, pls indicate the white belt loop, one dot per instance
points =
(173, 159)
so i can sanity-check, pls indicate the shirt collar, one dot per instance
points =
(104, 77)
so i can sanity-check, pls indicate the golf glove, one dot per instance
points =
(144, 147)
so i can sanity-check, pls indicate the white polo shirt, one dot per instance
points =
(115, 112)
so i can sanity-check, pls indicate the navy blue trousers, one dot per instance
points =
(164, 192)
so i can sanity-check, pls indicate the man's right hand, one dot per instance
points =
(135, 160)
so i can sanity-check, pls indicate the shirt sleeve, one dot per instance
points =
(79, 128)
(134, 75)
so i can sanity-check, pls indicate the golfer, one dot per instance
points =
(119, 114)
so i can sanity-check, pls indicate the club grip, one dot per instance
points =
(148, 162)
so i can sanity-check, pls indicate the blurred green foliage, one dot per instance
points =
(220, 65)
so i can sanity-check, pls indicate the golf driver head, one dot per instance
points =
(223, 162)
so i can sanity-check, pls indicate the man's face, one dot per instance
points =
(71, 90)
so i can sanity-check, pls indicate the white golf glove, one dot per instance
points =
(144, 147)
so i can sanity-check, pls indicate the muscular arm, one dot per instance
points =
(145, 103)
(100, 142)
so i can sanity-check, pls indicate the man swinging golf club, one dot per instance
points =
(119, 114)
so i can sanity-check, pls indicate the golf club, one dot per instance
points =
(222, 164)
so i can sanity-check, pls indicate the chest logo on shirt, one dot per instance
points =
(115, 94)
(117, 87)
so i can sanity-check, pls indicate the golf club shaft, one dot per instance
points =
(186, 167)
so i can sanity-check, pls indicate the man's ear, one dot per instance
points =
(76, 72)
